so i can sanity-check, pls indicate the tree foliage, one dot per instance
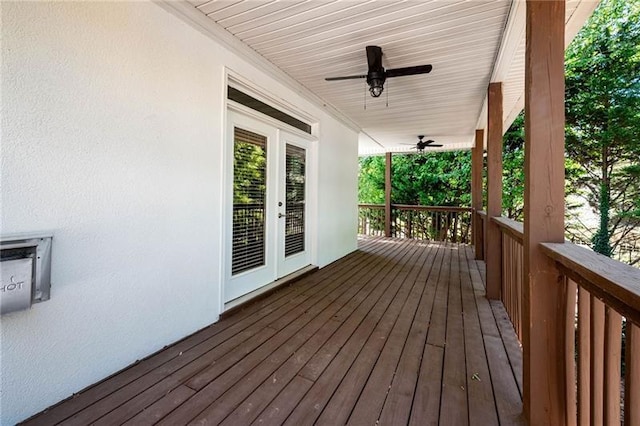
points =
(513, 170)
(429, 179)
(249, 173)
(603, 120)
(371, 180)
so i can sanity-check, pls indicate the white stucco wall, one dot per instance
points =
(112, 126)
(337, 205)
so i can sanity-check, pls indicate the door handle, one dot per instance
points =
(280, 215)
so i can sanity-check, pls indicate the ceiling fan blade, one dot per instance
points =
(350, 77)
(433, 145)
(418, 69)
(374, 58)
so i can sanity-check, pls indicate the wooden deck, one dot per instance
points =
(398, 332)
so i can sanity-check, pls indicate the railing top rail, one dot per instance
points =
(418, 207)
(512, 227)
(482, 213)
(616, 283)
(431, 208)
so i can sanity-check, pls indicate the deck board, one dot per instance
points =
(482, 407)
(398, 332)
(454, 408)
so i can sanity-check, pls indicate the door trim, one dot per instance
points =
(234, 115)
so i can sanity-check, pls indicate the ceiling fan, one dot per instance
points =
(376, 75)
(422, 144)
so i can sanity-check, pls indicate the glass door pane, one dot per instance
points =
(295, 200)
(249, 200)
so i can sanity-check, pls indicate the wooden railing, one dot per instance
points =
(436, 223)
(512, 269)
(432, 223)
(601, 326)
(600, 293)
(371, 220)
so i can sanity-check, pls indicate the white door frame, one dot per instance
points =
(253, 281)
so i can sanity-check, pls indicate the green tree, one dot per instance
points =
(429, 179)
(249, 173)
(603, 120)
(432, 179)
(371, 180)
(513, 170)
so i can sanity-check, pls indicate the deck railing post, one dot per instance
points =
(476, 193)
(545, 400)
(493, 254)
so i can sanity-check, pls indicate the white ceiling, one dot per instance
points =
(469, 44)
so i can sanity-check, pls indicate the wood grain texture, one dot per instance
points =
(494, 191)
(614, 282)
(632, 376)
(400, 332)
(571, 302)
(479, 386)
(584, 357)
(596, 372)
(612, 371)
(477, 164)
(544, 334)
(512, 227)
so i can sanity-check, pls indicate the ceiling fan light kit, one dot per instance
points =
(377, 75)
(376, 84)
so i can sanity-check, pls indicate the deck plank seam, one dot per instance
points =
(405, 271)
(467, 259)
(432, 277)
(418, 281)
(370, 291)
(291, 306)
(345, 290)
(382, 267)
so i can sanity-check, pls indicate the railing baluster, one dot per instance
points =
(632, 375)
(512, 270)
(505, 273)
(520, 275)
(584, 357)
(514, 282)
(612, 356)
(441, 223)
(597, 361)
(570, 350)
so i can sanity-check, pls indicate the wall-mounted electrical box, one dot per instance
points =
(25, 271)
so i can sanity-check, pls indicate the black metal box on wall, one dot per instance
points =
(25, 271)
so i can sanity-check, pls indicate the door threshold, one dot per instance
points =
(243, 301)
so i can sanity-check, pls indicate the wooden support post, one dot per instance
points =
(476, 192)
(493, 254)
(387, 195)
(544, 377)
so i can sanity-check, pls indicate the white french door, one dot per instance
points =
(267, 186)
(293, 216)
